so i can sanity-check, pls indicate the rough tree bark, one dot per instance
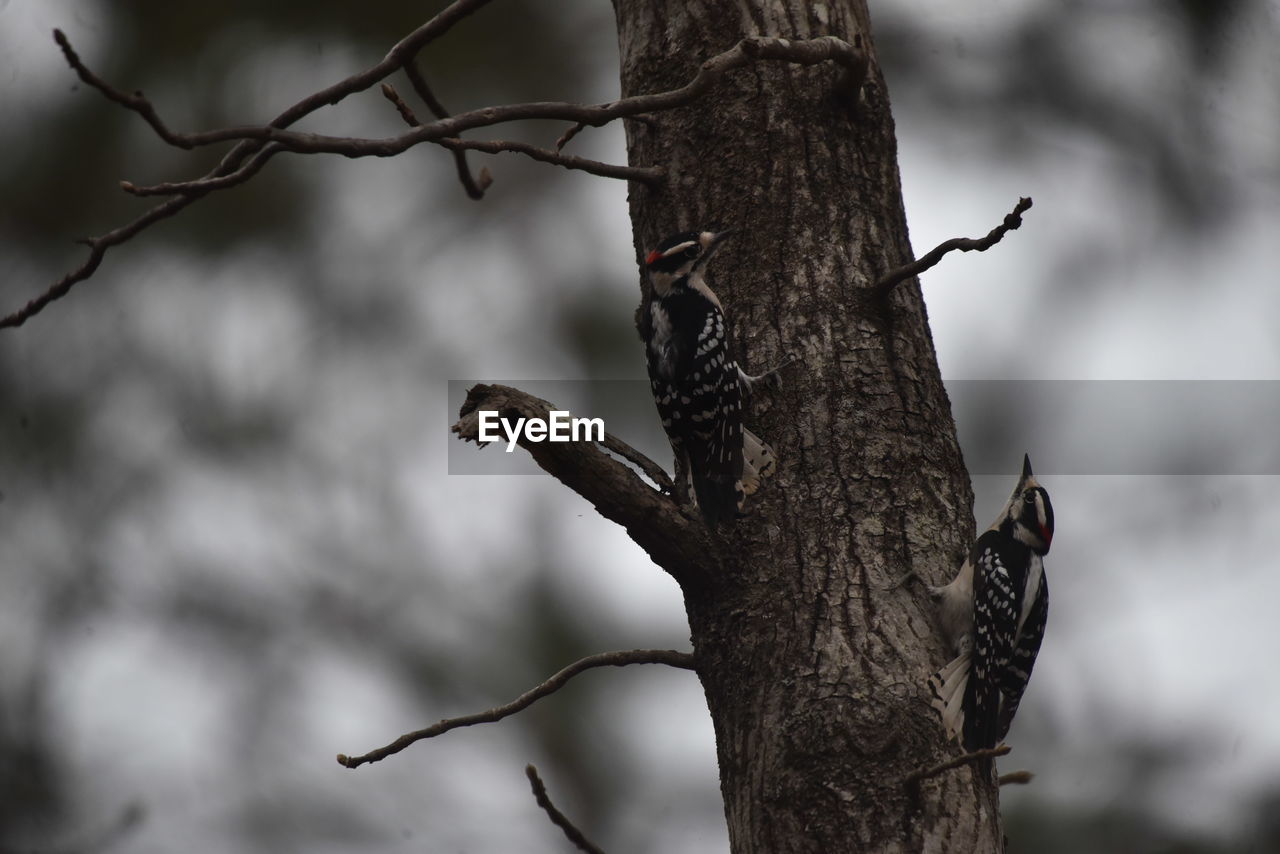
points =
(813, 662)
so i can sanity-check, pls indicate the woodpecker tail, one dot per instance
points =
(715, 467)
(718, 498)
(758, 461)
(948, 687)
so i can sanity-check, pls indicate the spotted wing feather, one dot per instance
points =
(695, 384)
(999, 580)
(1018, 671)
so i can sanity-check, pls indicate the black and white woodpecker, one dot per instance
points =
(697, 385)
(994, 615)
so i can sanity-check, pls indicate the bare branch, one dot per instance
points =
(650, 175)
(573, 131)
(458, 146)
(558, 818)
(964, 244)
(254, 142)
(677, 541)
(98, 247)
(669, 657)
(195, 189)
(406, 112)
(746, 52)
(1016, 778)
(135, 101)
(987, 753)
(401, 53)
(475, 188)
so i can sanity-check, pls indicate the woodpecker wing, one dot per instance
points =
(1000, 570)
(1014, 678)
(699, 398)
(716, 454)
(712, 397)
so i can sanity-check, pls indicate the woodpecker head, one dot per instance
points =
(681, 256)
(1029, 515)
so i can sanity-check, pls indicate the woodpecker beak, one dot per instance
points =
(711, 239)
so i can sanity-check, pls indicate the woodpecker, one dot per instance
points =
(697, 385)
(994, 615)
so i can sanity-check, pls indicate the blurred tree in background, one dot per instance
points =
(228, 545)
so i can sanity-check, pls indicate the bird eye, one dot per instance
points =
(691, 252)
(1029, 496)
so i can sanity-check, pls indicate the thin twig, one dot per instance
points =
(558, 818)
(475, 187)
(1016, 778)
(605, 659)
(252, 150)
(746, 52)
(650, 175)
(398, 57)
(402, 52)
(568, 161)
(195, 189)
(964, 244)
(133, 101)
(573, 131)
(647, 121)
(915, 777)
(406, 112)
(98, 247)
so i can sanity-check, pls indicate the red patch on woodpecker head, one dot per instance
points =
(652, 256)
(1047, 534)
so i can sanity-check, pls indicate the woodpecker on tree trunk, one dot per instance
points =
(697, 384)
(994, 614)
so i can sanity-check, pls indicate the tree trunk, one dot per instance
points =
(813, 662)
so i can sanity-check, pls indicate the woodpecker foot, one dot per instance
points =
(910, 576)
(772, 376)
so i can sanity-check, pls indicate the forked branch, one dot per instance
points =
(644, 175)
(669, 657)
(475, 187)
(400, 54)
(256, 144)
